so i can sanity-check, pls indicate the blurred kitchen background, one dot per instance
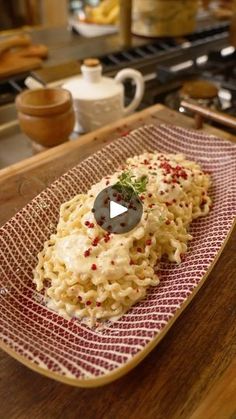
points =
(184, 50)
(18, 13)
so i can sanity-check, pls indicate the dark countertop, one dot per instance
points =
(66, 45)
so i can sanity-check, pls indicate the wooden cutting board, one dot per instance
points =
(172, 387)
(18, 54)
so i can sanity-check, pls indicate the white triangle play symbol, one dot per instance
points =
(116, 209)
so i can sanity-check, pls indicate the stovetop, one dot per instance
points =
(217, 67)
(210, 58)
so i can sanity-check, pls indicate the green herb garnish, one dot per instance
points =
(132, 186)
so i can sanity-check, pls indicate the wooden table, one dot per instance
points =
(190, 374)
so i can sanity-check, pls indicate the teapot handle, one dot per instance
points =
(136, 76)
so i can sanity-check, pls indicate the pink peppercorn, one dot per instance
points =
(183, 175)
(95, 241)
(119, 198)
(87, 253)
(94, 267)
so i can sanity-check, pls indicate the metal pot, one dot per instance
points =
(164, 17)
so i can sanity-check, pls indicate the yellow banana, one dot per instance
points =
(106, 13)
(107, 5)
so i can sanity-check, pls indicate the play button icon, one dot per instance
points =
(117, 211)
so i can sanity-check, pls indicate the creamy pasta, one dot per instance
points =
(93, 275)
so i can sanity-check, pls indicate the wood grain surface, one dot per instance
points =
(190, 374)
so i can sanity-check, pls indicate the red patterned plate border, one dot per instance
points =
(67, 350)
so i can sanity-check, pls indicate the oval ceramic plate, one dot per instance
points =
(90, 30)
(67, 350)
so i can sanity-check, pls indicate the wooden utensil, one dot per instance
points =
(14, 42)
(201, 112)
(18, 55)
(38, 50)
(125, 22)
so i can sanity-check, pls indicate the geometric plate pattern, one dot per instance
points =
(67, 350)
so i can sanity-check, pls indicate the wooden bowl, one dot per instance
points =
(46, 115)
(199, 89)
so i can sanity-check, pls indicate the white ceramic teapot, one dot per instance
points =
(99, 100)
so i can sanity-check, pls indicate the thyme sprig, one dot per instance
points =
(127, 181)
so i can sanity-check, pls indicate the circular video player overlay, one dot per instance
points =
(117, 210)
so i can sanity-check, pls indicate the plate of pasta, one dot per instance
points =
(96, 302)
